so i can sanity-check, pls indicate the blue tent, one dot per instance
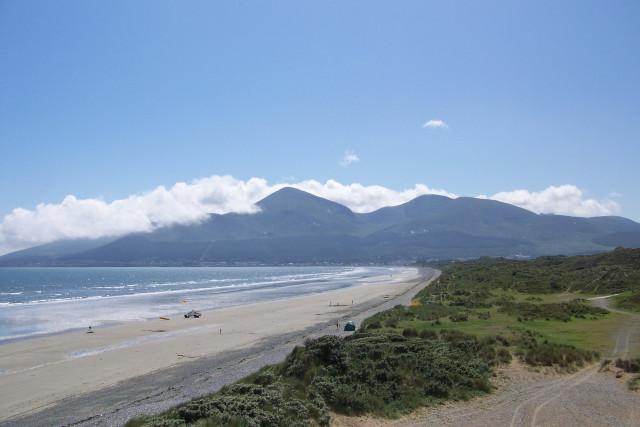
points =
(349, 326)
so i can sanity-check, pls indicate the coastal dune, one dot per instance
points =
(83, 376)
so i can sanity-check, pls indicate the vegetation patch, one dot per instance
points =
(608, 273)
(384, 374)
(626, 365)
(562, 356)
(628, 302)
(629, 365)
(563, 311)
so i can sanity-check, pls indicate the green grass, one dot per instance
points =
(545, 296)
(627, 301)
(582, 333)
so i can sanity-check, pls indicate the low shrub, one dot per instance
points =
(504, 356)
(459, 317)
(428, 334)
(629, 365)
(484, 315)
(563, 356)
(384, 374)
(409, 332)
(563, 311)
(634, 383)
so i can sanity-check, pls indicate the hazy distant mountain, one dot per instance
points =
(297, 227)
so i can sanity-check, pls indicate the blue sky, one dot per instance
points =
(116, 116)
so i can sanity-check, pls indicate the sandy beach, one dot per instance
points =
(74, 377)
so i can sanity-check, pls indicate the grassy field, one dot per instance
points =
(627, 301)
(598, 335)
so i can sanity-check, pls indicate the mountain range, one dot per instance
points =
(295, 227)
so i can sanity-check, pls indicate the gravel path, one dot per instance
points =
(151, 394)
(628, 337)
(586, 398)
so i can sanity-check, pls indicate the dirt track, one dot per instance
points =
(529, 398)
(627, 337)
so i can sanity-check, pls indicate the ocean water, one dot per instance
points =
(36, 301)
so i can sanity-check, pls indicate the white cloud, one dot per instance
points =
(434, 124)
(92, 218)
(562, 200)
(361, 198)
(181, 204)
(349, 157)
(189, 203)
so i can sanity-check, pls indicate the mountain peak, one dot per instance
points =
(294, 226)
(289, 198)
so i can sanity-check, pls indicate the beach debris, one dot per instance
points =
(164, 318)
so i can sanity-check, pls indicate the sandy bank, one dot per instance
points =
(43, 376)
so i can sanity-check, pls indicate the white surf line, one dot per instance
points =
(31, 368)
(148, 338)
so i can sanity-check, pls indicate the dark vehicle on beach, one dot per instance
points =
(194, 313)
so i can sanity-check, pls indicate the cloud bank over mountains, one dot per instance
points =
(190, 203)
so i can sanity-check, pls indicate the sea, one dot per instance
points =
(40, 301)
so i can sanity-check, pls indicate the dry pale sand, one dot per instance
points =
(43, 372)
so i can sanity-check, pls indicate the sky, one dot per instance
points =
(124, 116)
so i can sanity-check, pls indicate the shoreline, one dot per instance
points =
(160, 308)
(179, 313)
(163, 363)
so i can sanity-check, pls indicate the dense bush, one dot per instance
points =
(560, 355)
(612, 272)
(386, 374)
(563, 311)
(629, 365)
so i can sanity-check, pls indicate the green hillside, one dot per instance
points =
(292, 226)
(607, 273)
